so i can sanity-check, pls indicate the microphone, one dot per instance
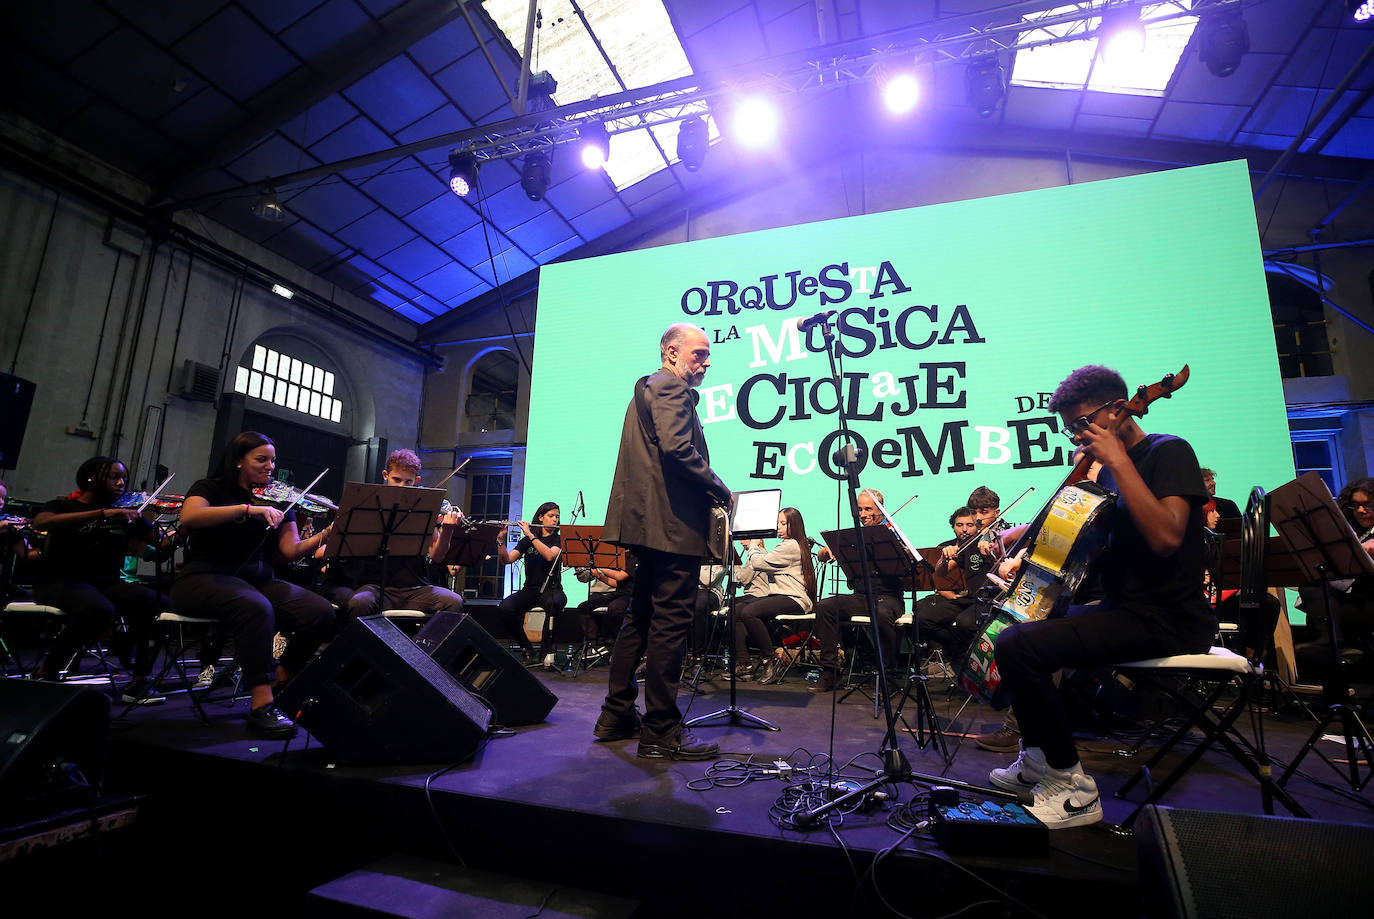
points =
(820, 318)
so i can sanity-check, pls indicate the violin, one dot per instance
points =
(140, 498)
(17, 524)
(279, 494)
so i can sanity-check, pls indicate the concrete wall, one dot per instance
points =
(103, 322)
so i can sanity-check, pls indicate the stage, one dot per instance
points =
(550, 805)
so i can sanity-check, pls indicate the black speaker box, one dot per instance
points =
(16, 400)
(372, 696)
(484, 666)
(52, 746)
(1207, 865)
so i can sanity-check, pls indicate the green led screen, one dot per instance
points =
(957, 321)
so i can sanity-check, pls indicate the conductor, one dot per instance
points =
(660, 509)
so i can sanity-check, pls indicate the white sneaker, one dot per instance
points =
(1065, 798)
(206, 678)
(1021, 776)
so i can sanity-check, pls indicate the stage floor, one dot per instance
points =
(550, 803)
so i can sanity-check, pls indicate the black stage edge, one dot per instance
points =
(232, 822)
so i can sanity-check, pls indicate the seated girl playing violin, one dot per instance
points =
(1150, 573)
(88, 538)
(228, 575)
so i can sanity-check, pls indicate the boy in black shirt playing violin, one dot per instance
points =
(1151, 570)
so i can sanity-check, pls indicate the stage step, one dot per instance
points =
(418, 888)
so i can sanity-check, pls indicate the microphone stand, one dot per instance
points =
(896, 768)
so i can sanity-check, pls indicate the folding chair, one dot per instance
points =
(172, 636)
(1184, 677)
(55, 617)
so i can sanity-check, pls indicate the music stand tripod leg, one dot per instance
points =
(1356, 733)
(732, 713)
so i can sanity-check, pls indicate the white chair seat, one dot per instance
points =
(404, 613)
(185, 620)
(1219, 659)
(36, 609)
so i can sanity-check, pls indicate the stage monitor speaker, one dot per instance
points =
(372, 696)
(483, 665)
(16, 400)
(52, 746)
(1205, 864)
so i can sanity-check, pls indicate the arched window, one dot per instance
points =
(276, 377)
(492, 393)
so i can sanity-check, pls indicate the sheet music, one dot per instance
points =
(755, 512)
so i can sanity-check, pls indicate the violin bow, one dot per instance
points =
(153, 497)
(445, 479)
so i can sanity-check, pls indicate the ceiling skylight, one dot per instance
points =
(1070, 64)
(638, 38)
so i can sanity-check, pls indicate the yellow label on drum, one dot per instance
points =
(1070, 511)
(1034, 596)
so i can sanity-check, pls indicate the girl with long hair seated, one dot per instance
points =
(541, 549)
(778, 582)
(228, 575)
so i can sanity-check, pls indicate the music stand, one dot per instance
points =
(583, 548)
(891, 555)
(753, 515)
(1326, 548)
(380, 521)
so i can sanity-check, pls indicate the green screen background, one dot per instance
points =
(1143, 274)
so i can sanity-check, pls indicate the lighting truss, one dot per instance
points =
(1024, 26)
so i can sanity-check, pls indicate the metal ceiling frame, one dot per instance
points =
(957, 38)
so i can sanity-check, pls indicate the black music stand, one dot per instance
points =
(584, 548)
(753, 515)
(379, 521)
(891, 556)
(1315, 530)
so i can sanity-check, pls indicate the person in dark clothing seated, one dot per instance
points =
(88, 540)
(1352, 599)
(542, 551)
(947, 619)
(356, 582)
(232, 543)
(830, 612)
(1151, 572)
(608, 597)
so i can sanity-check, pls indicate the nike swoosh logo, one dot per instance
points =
(1071, 808)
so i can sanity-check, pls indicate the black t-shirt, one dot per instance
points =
(537, 567)
(228, 546)
(92, 552)
(1169, 588)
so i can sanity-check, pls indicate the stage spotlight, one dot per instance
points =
(901, 93)
(596, 145)
(984, 84)
(534, 177)
(269, 207)
(462, 174)
(755, 122)
(1121, 34)
(693, 137)
(1223, 40)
